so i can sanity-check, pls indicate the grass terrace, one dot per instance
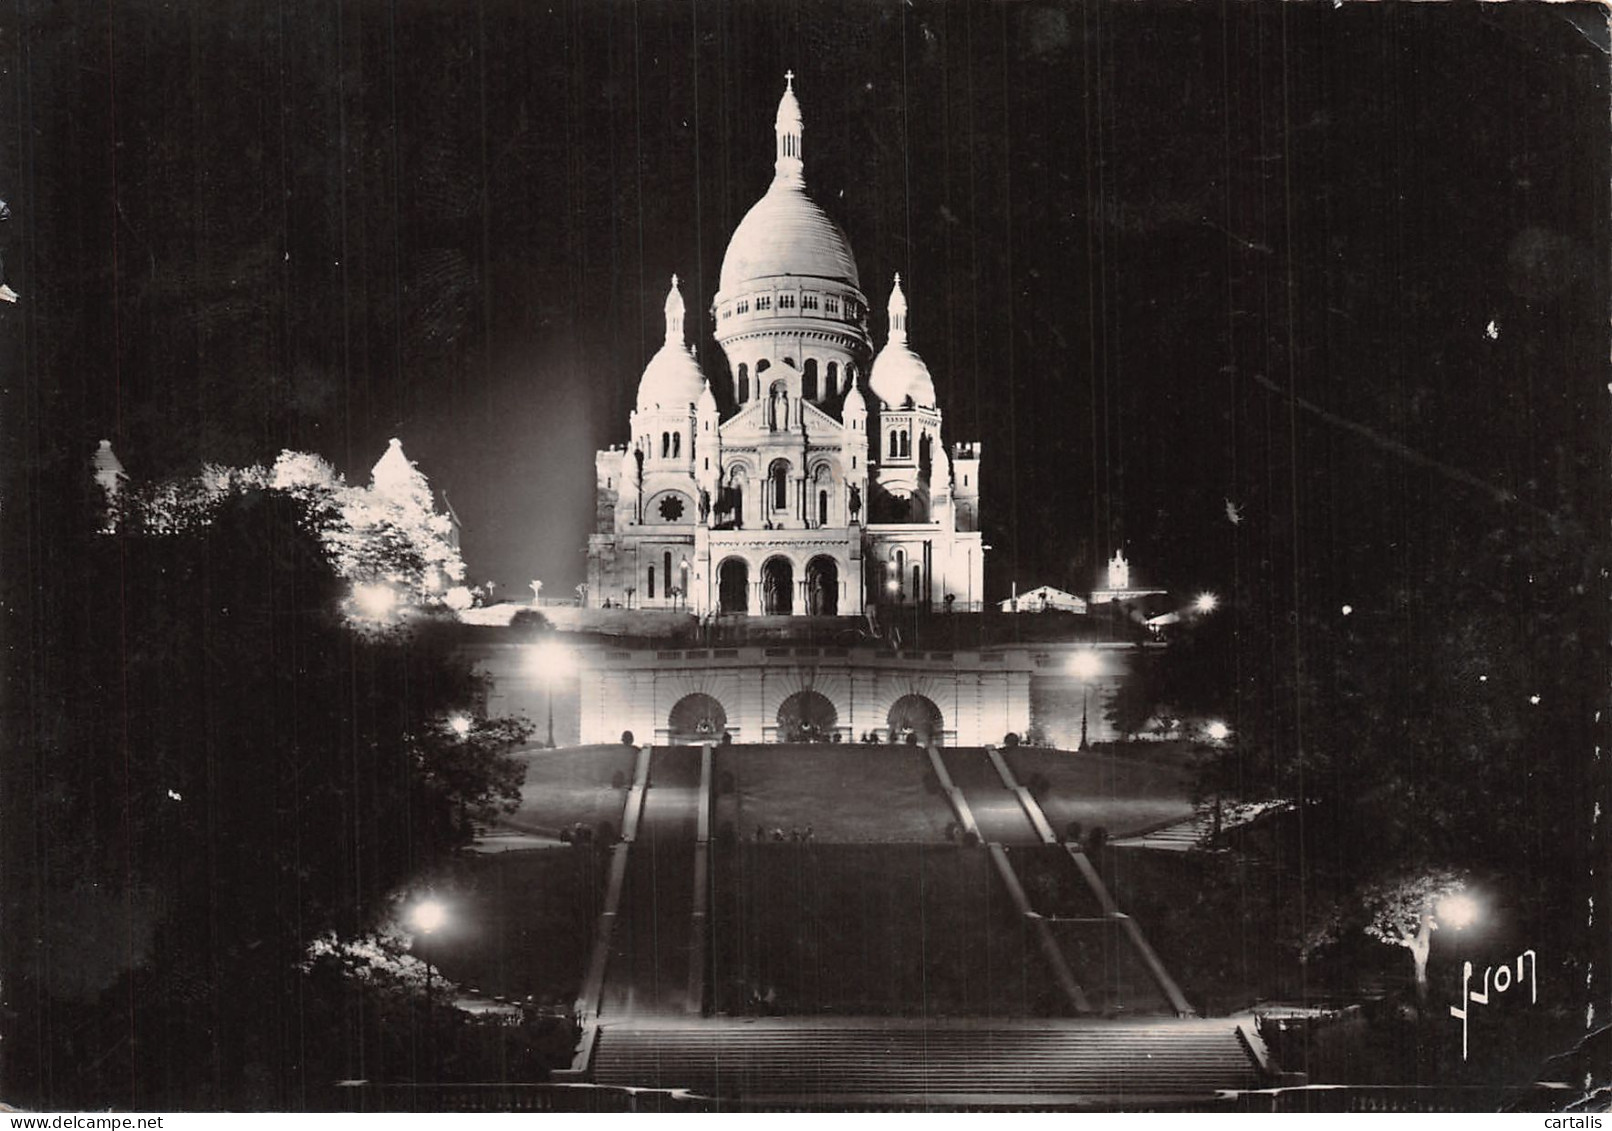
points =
(894, 930)
(1106, 787)
(573, 785)
(519, 923)
(847, 794)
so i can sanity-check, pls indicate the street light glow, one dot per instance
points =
(1206, 603)
(548, 659)
(1457, 910)
(1217, 730)
(375, 601)
(428, 915)
(893, 585)
(459, 724)
(1083, 665)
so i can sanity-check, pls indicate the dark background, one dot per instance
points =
(1132, 234)
(1306, 305)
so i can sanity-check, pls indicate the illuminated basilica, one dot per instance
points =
(818, 482)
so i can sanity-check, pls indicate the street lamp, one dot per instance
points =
(1217, 731)
(1457, 910)
(460, 725)
(546, 660)
(1084, 665)
(1206, 603)
(375, 602)
(427, 916)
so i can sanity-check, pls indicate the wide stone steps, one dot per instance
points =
(776, 1059)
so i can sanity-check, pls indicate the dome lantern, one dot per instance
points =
(672, 379)
(786, 235)
(787, 126)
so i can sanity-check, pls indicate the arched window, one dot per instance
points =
(665, 444)
(808, 380)
(744, 384)
(677, 444)
(779, 474)
(822, 508)
(895, 449)
(916, 576)
(667, 561)
(651, 590)
(906, 445)
(761, 367)
(833, 385)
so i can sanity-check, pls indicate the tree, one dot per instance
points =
(388, 532)
(1406, 912)
(226, 771)
(1403, 911)
(1136, 699)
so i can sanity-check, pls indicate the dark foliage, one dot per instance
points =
(222, 770)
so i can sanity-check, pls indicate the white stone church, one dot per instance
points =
(822, 484)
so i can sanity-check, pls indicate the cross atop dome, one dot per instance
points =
(788, 165)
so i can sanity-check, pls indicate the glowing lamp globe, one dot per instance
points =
(1084, 665)
(547, 660)
(1457, 910)
(428, 915)
(375, 601)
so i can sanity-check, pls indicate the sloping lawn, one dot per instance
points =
(519, 923)
(849, 794)
(571, 785)
(1100, 787)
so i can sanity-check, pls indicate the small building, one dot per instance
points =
(1043, 599)
(1120, 588)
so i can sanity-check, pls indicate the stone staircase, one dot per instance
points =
(931, 1063)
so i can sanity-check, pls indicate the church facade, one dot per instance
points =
(822, 484)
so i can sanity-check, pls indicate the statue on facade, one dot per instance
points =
(705, 504)
(856, 501)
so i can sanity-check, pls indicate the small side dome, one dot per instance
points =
(899, 375)
(672, 379)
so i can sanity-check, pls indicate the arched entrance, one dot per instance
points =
(778, 587)
(807, 716)
(696, 718)
(822, 587)
(733, 586)
(918, 715)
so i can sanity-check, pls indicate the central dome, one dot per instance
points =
(786, 234)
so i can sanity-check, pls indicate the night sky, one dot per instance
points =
(1168, 263)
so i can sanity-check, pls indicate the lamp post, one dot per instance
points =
(427, 916)
(1084, 665)
(546, 659)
